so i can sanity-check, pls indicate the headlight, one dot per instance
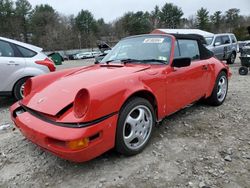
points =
(27, 87)
(81, 103)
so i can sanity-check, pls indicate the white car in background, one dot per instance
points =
(84, 55)
(18, 62)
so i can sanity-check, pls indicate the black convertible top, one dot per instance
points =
(190, 36)
(204, 52)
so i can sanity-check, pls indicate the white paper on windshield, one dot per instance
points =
(154, 40)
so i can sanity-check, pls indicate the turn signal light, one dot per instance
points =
(78, 144)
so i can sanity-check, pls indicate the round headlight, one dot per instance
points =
(81, 103)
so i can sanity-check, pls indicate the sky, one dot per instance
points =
(113, 9)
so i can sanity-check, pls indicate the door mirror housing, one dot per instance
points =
(181, 62)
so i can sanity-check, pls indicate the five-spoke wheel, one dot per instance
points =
(135, 124)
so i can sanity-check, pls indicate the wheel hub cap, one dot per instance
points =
(222, 88)
(138, 126)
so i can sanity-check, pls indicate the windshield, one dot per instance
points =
(141, 49)
(209, 40)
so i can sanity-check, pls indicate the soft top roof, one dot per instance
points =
(177, 36)
(184, 31)
(189, 36)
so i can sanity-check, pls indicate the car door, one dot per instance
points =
(11, 65)
(227, 48)
(187, 84)
(218, 48)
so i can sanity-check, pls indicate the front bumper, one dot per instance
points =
(48, 136)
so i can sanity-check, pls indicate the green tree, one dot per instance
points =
(155, 17)
(248, 29)
(232, 18)
(44, 20)
(203, 19)
(7, 17)
(217, 21)
(86, 24)
(170, 16)
(136, 23)
(23, 11)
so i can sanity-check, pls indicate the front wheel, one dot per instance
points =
(19, 88)
(231, 58)
(135, 125)
(220, 89)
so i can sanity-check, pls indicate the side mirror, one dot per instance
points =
(217, 44)
(181, 62)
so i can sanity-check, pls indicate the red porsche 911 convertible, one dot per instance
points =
(80, 113)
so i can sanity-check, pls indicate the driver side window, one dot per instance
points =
(187, 48)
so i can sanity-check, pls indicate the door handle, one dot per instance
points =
(204, 67)
(12, 63)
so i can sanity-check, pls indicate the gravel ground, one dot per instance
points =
(200, 146)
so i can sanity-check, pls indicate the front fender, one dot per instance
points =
(109, 97)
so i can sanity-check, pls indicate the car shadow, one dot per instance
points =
(6, 102)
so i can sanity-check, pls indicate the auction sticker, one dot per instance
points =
(154, 40)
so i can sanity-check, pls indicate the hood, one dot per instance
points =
(103, 47)
(60, 93)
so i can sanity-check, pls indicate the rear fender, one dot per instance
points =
(216, 69)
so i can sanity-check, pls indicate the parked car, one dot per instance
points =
(104, 49)
(72, 57)
(80, 113)
(96, 53)
(224, 46)
(18, 62)
(84, 55)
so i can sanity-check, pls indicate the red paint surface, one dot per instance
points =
(109, 88)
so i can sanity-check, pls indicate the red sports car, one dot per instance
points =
(80, 113)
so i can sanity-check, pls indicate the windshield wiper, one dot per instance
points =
(154, 60)
(129, 60)
(107, 62)
(143, 61)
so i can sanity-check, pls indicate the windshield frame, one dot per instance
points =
(156, 60)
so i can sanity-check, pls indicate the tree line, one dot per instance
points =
(43, 26)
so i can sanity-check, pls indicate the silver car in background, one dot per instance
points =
(224, 46)
(18, 62)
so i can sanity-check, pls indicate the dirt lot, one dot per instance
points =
(200, 146)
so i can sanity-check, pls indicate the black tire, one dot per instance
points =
(214, 99)
(17, 88)
(243, 71)
(231, 58)
(123, 128)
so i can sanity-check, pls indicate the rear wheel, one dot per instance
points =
(219, 93)
(135, 125)
(231, 58)
(243, 71)
(19, 88)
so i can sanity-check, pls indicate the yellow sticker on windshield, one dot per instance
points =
(162, 58)
(153, 40)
